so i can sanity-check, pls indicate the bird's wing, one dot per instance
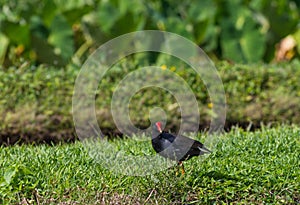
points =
(196, 146)
(168, 136)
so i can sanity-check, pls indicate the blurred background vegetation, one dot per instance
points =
(254, 43)
(56, 32)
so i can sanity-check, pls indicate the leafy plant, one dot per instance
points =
(35, 102)
(241, 41)
(44, 30)
(52, 32)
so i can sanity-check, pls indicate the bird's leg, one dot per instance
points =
(182, 167)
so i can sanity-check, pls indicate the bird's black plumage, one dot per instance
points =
(178, 148)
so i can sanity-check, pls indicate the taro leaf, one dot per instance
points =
(178, 26)
(231, 49)
(45, 52)
(4, 41)
(230, 42)
(130, 17)
(241, 40)
(252, 45)
(17, 33)
(39, 43)
(211, 38)
(70, 5)
(200, 30)
(120, 17)
(48, 12)
(61, 37)
(92, 30)
(248, 46)
(108, 15)
(203, 23)
(283, 18)
(38, 28)
(128, 23)
(74, 15)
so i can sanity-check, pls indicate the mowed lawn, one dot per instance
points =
(246, 167)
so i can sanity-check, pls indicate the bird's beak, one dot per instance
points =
(158, 126)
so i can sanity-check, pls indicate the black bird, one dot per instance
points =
(178, 148)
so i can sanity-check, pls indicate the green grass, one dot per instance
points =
(246, 167)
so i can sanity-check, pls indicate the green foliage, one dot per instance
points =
(262, 94)
(44, 30)
(241, 41)
(36, 102)
(245, 168)
(56, 32)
